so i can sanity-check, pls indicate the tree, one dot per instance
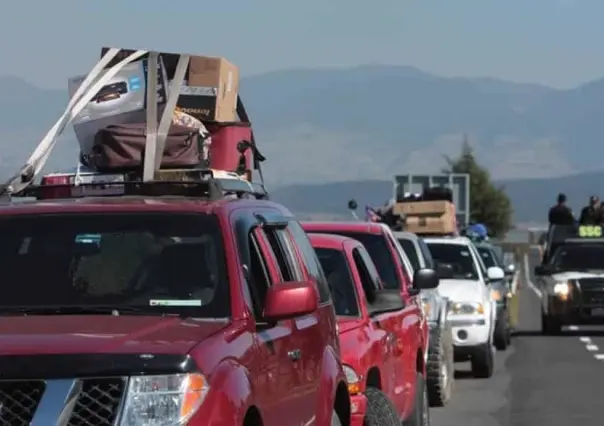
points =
(489, 204)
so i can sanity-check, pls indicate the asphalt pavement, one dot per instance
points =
(538, 381)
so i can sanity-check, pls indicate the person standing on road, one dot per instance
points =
(561, 214)
(592, 213)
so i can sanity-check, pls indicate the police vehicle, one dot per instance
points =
(571, 277)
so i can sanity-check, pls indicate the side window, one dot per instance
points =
(285, 255)
(259, 279)
(411, 252)
(478, 260)
(310, 257)
(367, 270)
(423, 247)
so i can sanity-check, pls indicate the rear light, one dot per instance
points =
(54, 187)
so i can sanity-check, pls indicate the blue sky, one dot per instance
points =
(555, 42)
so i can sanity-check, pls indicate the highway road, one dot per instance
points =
(539, 381)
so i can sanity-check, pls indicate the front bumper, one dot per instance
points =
(469, 330)
(358, 408)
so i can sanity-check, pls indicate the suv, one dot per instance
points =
(196, 310)
(440, 353)
(367, 313)
(473, 310)
(389, 259)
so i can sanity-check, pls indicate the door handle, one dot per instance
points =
(295, 354)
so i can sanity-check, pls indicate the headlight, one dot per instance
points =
(496, 295)
(353, 379)
(461, 308)
(562, 290)
(163, 400)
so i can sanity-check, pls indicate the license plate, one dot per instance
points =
(99, 187)
(597, 312)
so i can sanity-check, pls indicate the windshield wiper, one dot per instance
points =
(80, 310)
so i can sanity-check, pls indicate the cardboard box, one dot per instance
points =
(428, 217)
(122, 100)
(211, 85)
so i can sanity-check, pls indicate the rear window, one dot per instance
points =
(156, 263)
(378, 249)
(343, 292)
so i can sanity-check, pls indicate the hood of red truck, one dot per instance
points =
(346, 324)
(99, 334)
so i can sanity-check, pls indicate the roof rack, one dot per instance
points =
(197, 183)
(149, 181)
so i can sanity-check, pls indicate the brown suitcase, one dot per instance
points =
(121, 147)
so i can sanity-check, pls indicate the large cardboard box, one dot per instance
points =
(428, 217)
(211, 85)
(211, 90)
(122, 100)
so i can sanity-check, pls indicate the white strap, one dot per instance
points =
(151, 136)
(166, 118)
(42, 152)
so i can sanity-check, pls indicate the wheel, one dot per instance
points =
(483, 362)
(502, 332)
(335, 419)
(550, 325)
(380, 410)
(420, 416)
(440, 367)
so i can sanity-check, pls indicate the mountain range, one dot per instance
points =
(371, 122)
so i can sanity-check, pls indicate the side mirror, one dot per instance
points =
(352, 204)
(444, 271)
(541, 270)
(289, 300)
(425, 279)
(495, 273)
(510, 269)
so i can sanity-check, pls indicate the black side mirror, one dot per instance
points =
(352, 204)
(444, 271)
(425, 279)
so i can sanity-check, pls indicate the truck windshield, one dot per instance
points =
(458, 256)
(579, 257)
(141, 263)
(343, 291)
(380, 253)
(409, 249)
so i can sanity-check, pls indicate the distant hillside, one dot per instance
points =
(371, 122)
(531, 198)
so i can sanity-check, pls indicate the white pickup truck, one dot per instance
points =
(466, 282)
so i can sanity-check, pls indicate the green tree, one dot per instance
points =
(489, 204)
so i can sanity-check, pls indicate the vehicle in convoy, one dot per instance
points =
(372, 339)
(170, 297)
(389, 260)
(440, 352)
(501, 292)
(466, 281)
(572, 278)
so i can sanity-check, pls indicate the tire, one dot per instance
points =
(380, 410)
(550, 326)
(440, 368)
(483, 362)
(335, 419)
(420, 416)
(502, 332)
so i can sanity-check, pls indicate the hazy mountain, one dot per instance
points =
(372, 122)
(531, 198)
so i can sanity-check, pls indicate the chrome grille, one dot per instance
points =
(98, 403)
(69, 402)
(18, 401)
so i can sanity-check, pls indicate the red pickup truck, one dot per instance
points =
(151, 310)
(378, 360)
